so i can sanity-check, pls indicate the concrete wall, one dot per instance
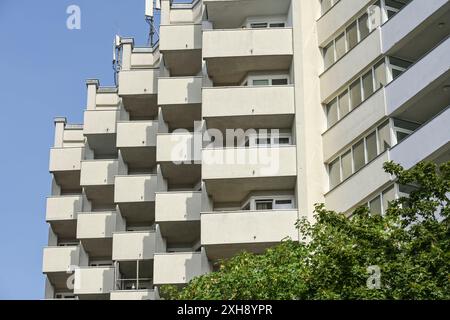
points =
(178, 206)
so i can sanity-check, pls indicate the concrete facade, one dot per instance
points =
(247, 114)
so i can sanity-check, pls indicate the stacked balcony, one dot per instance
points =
(94, 282)
(135, 197)
(138, 80)
(181, 37)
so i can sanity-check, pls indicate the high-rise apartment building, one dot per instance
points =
(246, 114)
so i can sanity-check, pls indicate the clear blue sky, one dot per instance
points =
(43, 71)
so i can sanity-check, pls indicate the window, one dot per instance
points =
(340, 45)
(404, 128)
(280, 141)
(344, 104)
(384, 136)
(355, 93)
(335, 173)
(328, 55)
(397, 66)
(278, 25)
(283, 204)
(262, 82)
(388, 195)
(269, 203)
(346, 162)
(279, 82)
(363, 23)
(359, 155)
(375, 206)
(380, 75)
(367, 81)
(258, 25)
(352, 36)
(371, 146)
(262, 141)
(332, 112)
(264, 204)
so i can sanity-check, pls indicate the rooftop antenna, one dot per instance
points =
(150, 7)
(117, 56)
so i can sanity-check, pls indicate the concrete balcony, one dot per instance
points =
(248, 107)
(359, 185)
(100, 130)
(136, 141)
(231, 54)
(231, 173)
(138, 89)
(134, 295)
(427, 76)
(417, 25)
(95, 231)
(135, 196)
(180, 95)
(132, 246)
(179, 268)
(59, 263)
(94, 282)
(97, 179)
(179, 155)
(430, 142)
(225, 234)
(174, 13)
(62, 214)
(181, 45)
(226, 14)
(178, 216)
(65, 165)
(335, 19)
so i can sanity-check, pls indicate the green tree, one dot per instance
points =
(409, 245)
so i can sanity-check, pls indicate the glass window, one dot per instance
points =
(375, 206)
(284, 140)
(388, 196)
(346, 161)
(328, 55)
(344, 104)
(384, 136)
(263, 141)
(352, 35)
(326, 5)
(340, 45)
(407, 125)
(371, 146)
(367, 81)
(263, 82)
(277, 25)
(355, 93)
(401, 136)
(279, 82)
(363, 26)
(380, 75)
(264, 204)
(258, 25)
(283, 204)
(335, 173)
(332, 112)
(359, 158)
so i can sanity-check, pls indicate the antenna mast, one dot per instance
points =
(150, 7)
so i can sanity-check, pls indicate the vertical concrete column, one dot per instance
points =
(92, 86)
(165, 11)
(60, 124)
(127, 50)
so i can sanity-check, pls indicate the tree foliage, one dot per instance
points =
(410, 245)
